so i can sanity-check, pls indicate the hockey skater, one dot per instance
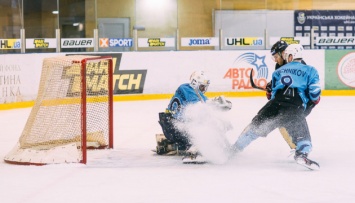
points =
(295, 89)
(177, 141)
(277, 51)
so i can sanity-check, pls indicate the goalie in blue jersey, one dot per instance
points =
(295, 91)
(173, 140)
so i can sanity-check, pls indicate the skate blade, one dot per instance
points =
(194, 160)
(313, 166)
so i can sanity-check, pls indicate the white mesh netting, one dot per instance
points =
(53, 132)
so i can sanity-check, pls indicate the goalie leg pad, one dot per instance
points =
(171, 133)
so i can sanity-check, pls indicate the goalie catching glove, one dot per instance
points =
(222, 103)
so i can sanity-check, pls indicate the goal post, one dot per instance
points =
(104, 66)
(73, 112)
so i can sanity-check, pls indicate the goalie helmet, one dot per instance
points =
(198, 80)
(295, 50)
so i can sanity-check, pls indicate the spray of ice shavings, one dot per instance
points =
(206, 127)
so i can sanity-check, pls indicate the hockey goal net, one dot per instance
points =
(72, 113)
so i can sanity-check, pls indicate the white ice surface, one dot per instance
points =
(131, 172)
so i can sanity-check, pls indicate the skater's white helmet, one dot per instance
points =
(296, 50)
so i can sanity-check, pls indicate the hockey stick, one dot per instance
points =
(252, 82)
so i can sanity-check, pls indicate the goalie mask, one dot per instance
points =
(199, 81)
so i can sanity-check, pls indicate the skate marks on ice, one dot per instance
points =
(130, 158)
(145, 158)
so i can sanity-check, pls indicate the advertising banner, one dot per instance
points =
(115, 42)
(20, 76)
(331, 41)
(244, 41)
(77, 42)
(10, 43)
(325, 23)
(304, 41)
(127, 81)
(228, 70)
(339, 69)
(199, 41)
(138, 73)
(156, 42)
(41, 43)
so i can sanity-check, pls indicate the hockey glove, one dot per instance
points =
(310, 105)
(268, 90)
(222, 103)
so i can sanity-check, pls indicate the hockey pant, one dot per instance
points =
(173, 135)
(272, 116)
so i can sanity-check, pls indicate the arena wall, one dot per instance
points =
(156, 75)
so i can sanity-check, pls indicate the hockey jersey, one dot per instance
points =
(299, 76)
(184, 96)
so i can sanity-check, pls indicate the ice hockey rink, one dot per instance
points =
(131, 172)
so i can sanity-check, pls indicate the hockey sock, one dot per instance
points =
(244, 140)
(304, 147)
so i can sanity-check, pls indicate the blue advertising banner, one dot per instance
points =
(333, 29)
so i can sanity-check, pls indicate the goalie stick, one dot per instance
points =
(253, 84)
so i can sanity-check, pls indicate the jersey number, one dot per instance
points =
(286, 80)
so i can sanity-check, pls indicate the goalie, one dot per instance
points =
(173, 140)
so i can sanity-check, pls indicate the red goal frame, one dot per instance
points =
(83, 104)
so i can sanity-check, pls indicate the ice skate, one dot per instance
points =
(302, 160)
(192, 156)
